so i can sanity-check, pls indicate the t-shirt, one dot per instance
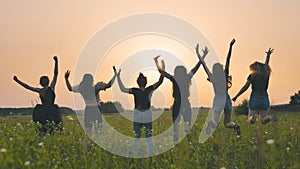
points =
(259, 83)
(142, 99)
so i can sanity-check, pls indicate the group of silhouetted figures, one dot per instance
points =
(181, 80)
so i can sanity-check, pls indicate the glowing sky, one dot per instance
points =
(32, 32)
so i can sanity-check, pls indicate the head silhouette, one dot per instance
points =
(180, 71)
(141, 80)
(44, 81)
(87, 79)
(217, 69)
(100, 85)
(258, 68)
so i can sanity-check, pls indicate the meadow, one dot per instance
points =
(275, 145)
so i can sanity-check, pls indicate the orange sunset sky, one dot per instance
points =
(32, 32)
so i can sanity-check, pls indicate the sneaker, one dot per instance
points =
(253, 120)
(237, 130)
(274, 117)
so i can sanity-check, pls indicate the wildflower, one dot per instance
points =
(27, 163)
(222, 168)
(3, 150)
(288, 148)
(270, 141)
(70, 118)
(41, 144)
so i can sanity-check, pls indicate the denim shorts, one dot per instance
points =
(142, 119)
(228, 104)
(259, 100)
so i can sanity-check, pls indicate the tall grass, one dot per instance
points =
(20, 147)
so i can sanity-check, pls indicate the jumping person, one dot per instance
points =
(217, 78)
(181, 106)
(259, 100)
(228, 104)
(46, 112)
(90, 94)
(142, 116)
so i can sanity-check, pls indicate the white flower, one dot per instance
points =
(287, 148)
(270, 141)
(3, 150)
(222, 168)
(27, 163)
(41, 144)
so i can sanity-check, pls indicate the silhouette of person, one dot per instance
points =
(228, 105)
(142, 116)
(46, 112)
(217, 78)
(259, 99)
(90, 94)
(181, 83)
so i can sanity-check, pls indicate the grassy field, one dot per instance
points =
(275, 145)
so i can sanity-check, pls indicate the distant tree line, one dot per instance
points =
(111, 107)
(295, 99)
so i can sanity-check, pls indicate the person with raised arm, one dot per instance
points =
(90, 94)
(46, 112)
(142, 116)
(181, 81)
(228, 105)
(259, 99)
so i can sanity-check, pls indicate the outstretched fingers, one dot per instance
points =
(67, 74)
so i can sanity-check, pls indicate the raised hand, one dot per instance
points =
(67, 74)
(163, 66)
(270, 51)
(232, 42)
(15, 78)
(156, 58)
(55, 58)
(205, 51)
(115, 70)
(197, 51)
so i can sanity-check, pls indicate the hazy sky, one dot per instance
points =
(33, 31)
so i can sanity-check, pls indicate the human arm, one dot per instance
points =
(203, 62)
(205, 52)
(161, 77)
(162, 69)
(112, 80)
(121, 85)
(67, 75)
(53, 82)
(269, 52)
(243, 89)
(26, 86)
(228, 57)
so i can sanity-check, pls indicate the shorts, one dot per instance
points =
(142, 119)
(228, 104)
(92, 115)
(259, 100)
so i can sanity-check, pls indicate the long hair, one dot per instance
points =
(260, 69)
(182, 79)
(86, 85)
